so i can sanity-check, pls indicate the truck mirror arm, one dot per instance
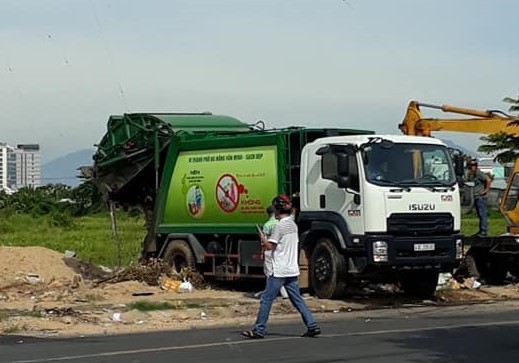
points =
(356, 195)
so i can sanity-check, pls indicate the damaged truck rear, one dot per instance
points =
(368, 207)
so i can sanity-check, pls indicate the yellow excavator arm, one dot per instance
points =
(480, 122)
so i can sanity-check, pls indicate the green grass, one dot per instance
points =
(496, 223)
(145, 305)
(90, 237)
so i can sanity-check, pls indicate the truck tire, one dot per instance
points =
(327, 270)
(482, 265)
(420, 284)
(178, 255)
(472, 267)
(514, 271)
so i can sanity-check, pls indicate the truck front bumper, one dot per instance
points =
(399, 252)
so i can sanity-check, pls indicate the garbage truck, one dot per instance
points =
(368, 207)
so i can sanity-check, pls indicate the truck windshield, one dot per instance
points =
(408, 165)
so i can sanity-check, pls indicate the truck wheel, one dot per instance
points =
(472, 267)
(420, 284)
(491, 269)
(514, 268)
(327, 270)
(494, 270)
(178, 255)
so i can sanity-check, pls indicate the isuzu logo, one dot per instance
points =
(422, 206)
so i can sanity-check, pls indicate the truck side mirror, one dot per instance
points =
(459, 170)
(343, 168)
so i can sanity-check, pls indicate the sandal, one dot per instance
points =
(310, 333)
(251, 334)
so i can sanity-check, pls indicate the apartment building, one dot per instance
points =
(28, 165)
(7, 167)
(20, 166)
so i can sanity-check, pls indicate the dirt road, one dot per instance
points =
(41, 296)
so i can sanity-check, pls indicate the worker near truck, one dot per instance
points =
(267, 255)
(481, 187)
(283, 242)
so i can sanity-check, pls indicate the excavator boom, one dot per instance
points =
(482, 122)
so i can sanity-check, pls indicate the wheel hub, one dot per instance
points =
(322, 268)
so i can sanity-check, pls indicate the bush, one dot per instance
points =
(62, 220)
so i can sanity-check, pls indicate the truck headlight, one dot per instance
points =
(380, 251)
(459, 249)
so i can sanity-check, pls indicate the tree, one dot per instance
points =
(505, 145)
(515, 103)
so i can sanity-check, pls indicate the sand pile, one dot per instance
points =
(16, 263)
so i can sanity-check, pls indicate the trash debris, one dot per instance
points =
(453, 284)
(203, 315)
(142, 293)
(87, 271)
(108, 270)
(169, 283)
(70, 254)
(444, 278)
(185, 286)
(60, 312)
(33, 279)
(116, 317)
(471, 283)
(388, 288)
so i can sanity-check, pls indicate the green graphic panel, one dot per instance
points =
(222, 186)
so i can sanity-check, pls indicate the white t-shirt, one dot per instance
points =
(285, 255)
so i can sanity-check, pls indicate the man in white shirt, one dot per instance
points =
(268, 227)
(283, 242)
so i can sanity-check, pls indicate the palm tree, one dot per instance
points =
(515, 103)
(506, 145)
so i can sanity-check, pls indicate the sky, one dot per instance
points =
(66, 65)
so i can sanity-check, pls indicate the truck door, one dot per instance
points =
(342, 192)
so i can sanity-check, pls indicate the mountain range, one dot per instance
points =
(459, 147)
(63, 170)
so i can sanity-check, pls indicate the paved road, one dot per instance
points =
(482, 333)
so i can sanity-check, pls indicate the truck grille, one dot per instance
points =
(416, 224)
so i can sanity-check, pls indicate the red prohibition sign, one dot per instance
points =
(227, 194)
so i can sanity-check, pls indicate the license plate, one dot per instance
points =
(424, 247)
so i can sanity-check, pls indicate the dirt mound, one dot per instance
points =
(16, 263)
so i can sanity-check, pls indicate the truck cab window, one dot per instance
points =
(329, 166)
(408, 164)
(329, 169)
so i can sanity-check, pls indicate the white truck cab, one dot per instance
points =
(379, 205)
